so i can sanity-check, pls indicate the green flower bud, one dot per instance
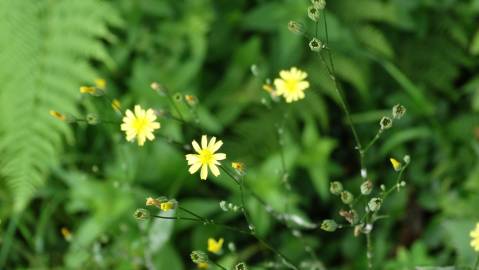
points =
(399, 111)
(198, 256)
(241, 266)
(315, 45)
(320, 4)
(347, 197)
(92, 119)
(407, 159)
(329, 225)
(366, 187)
(296, 27)
(141, 214)
(335, 187)
(178, 97)
(386, 123)
(375, 204)
(313, 13)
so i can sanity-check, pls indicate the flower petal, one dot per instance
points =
(194, 168)
(196, 146)
(219, 156)
(204, 172)
(214, 169)
(204, 142)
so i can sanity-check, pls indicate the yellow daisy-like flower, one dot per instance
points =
(215, 246)
(396, 164)
(475, 238)
(203, 265)
(206, 157)
(140, 125)
(291, 84)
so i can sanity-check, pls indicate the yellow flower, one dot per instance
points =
(57, 115)
(87, 90)
(66, 233)
(396, 164)
(215, 246)
(203, 265)
(475, 238)
(291, 85)
(165, 206)
(100, 84)
(206, 157)
(140, 125)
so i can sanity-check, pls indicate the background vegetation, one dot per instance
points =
(420, 53)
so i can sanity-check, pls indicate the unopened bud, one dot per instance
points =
(336, 187)
(399, 111)
(366, 187)
(386, 123)
(407, 159)
(296, 27)
(315, 45)
(347, 197)
(198, 256)
(320, 4)
(241, 266)
(313, 13)
(329, 225)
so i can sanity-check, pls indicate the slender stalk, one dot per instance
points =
(8, 239)
(219, 265)
(476, 264)
(369, 252)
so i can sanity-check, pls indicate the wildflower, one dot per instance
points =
(238, 166)
(315, 45)
(386, 123)
(347, 197)
(199, 256)
(116, 105)
(396, 164)
(141, 214)
(206, 157)
(399, 111)
(203, 265)
(140, 124)
(100, 84)
(475, 238)
(295, 27)
(57, 115)
(215, 246)
(66, 233)
(313, 13)
(166, 206)
(336, 187)
(329, 225)
(291, 85)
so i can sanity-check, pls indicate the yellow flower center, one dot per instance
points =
(206, 156)
(291, 85)
(140, 124)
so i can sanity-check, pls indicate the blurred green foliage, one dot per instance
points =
(420, 53)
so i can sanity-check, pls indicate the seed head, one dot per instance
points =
(399, 111)
(335, 187)
(366, 187)
(347, 197)
(296, 27)
(315, 45)
(386, 123)
(329, 225)
(313, 13)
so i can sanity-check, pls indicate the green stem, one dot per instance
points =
(219, 265)
(8, 239)
(369, 252)
(476, 264)
(172, 102)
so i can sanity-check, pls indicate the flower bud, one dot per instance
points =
(386, 123)
(92, 119)
(296, 27)
(58, 115)
(198, 256)
(315, 45)
(116, 105)
(169, 205)
(319, 4)
(366, 187)
(396, 164)
(141, 214)
(407, 159)
(399, 111)
(335, 187)
(375, 204)
(329, 225)
(313, 13)
(347, 197)
(241, 266)
(191, 100)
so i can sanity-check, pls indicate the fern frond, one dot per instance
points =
(45, 48)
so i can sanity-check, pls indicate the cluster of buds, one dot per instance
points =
(163, 203)
(227, 206)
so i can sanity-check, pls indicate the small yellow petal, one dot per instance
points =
(396, 164)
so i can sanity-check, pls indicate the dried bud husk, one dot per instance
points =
(142, 214)
(386, 123)
(366, 187)
(351, 216)
(347, 197)
(335, 187)
(198, 256)
(399, 111)
(315, 45)
(313, 13)
(329, 225)
(296, 27)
